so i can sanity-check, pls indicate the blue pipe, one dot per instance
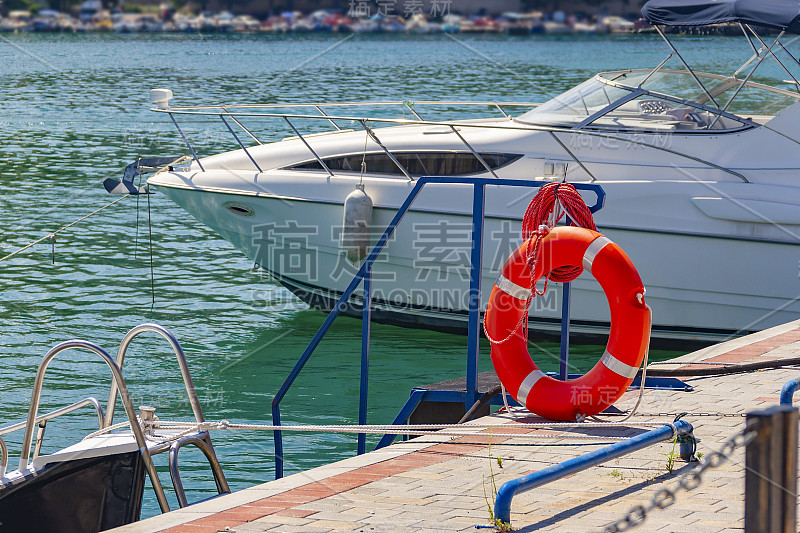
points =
(502, 505)
(366, 320)
(788, 391)
(278, 435)
(563, 366)
(402, 417)
(476, 266)
(478, 200)
(566, 292)
(340, 304)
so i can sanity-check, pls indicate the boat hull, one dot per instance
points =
(80, 496)
(703, 285)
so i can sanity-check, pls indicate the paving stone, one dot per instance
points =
(440, 485)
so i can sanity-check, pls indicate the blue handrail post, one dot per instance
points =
(566, 300)
(502, 504)
(337, 308)
(365, 331)
(563, 368)
(788, 390)
(415, 398)
(474, 325)
(278, 435)
(364, 272)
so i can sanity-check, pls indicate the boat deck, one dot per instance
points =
(439, 483)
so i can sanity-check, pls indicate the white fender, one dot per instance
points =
(356, 223)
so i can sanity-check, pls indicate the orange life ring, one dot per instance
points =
(627, 343)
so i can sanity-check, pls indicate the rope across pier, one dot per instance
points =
(450, 430)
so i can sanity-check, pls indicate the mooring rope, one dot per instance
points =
(53, 234)
(449, 430)
(720, 370)
(106, 429)
(375, 431)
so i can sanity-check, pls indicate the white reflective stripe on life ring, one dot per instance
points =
(593, 249)
(512, 289)
(527, 384)
(618, 367)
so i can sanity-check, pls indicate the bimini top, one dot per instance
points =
(780, 14)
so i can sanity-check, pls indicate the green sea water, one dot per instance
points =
(74, 111)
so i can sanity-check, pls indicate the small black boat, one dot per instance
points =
(97, 483)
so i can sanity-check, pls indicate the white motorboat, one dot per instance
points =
(700, 172)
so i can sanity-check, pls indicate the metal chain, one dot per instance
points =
(692, 414)
(666, 497)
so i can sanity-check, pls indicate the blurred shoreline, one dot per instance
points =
(91, 17)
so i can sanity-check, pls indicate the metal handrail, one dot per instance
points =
(474, 152)
(502, 505)
(241, 145)
(389, 154)
(191, 392)
(3, 458)
(365, 103)
(506, 125)
(58, 412)
(244, 128)
(303, 139)
(118, 387)
(364, 274)
(126, 402)
(602, 76)
(202, 442)
(318, 106)
(44, 418)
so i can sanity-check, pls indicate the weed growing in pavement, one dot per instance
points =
(499, 525)
(671, 456)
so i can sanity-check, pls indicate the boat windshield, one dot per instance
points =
(667, 100)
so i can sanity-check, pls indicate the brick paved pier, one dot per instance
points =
(439, 483)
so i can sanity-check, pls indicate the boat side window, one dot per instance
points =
(415, 163)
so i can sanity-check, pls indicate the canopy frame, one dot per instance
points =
(759, 55)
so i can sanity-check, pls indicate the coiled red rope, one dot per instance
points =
(550, 204)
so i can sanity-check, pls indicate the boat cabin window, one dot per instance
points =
(415, 163)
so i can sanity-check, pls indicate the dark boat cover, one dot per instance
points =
(780, 14)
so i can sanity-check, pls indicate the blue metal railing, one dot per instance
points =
(364, 274)
(788, 390)
(502, 505)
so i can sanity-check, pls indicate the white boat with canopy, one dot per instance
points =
(700, 172)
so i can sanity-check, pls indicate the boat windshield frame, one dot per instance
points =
(702, 103)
